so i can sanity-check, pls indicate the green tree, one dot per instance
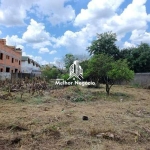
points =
(126, 53)
(68, 60)
(105, 43)
(138, 57)
(98, 67)
(119, 72)
(51, 72)
(103, 68)
(84, 65)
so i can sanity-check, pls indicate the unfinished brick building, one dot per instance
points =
(10, 58)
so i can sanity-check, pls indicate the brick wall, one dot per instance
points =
(10, 58)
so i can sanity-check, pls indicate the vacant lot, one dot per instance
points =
(54, 121)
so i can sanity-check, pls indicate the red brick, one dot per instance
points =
(12, 52)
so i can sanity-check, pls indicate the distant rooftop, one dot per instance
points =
(26, 58)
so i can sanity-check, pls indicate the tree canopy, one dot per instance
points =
(105, 44)
(51, 72)
(68, 60)
(104, 68)
(138, 57)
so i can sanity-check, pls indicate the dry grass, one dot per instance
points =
(54, 121)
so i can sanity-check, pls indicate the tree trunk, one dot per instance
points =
(107, 89)
(97, 84)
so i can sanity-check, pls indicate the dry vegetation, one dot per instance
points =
(52, 118)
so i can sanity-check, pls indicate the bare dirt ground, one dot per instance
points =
(54, 121)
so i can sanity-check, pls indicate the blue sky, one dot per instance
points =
(46, 30)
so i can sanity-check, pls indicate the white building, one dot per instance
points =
(29, 66)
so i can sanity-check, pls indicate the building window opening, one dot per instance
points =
(16, 70)
(19, 62)
(12, 60)
(7, 69)
(1, 56)
(1, 70)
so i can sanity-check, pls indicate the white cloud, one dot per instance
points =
(75, 42)
(43, 50)
(102, 16)
(107, 19)
(128, 44)
(14, 40)
(46, 50)
(44, 62)
(57, 12)
(53, 52)
(35, 33)
(14, 12)
(133, 17)
(40, 44)
(97, 10)
(139, 36)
